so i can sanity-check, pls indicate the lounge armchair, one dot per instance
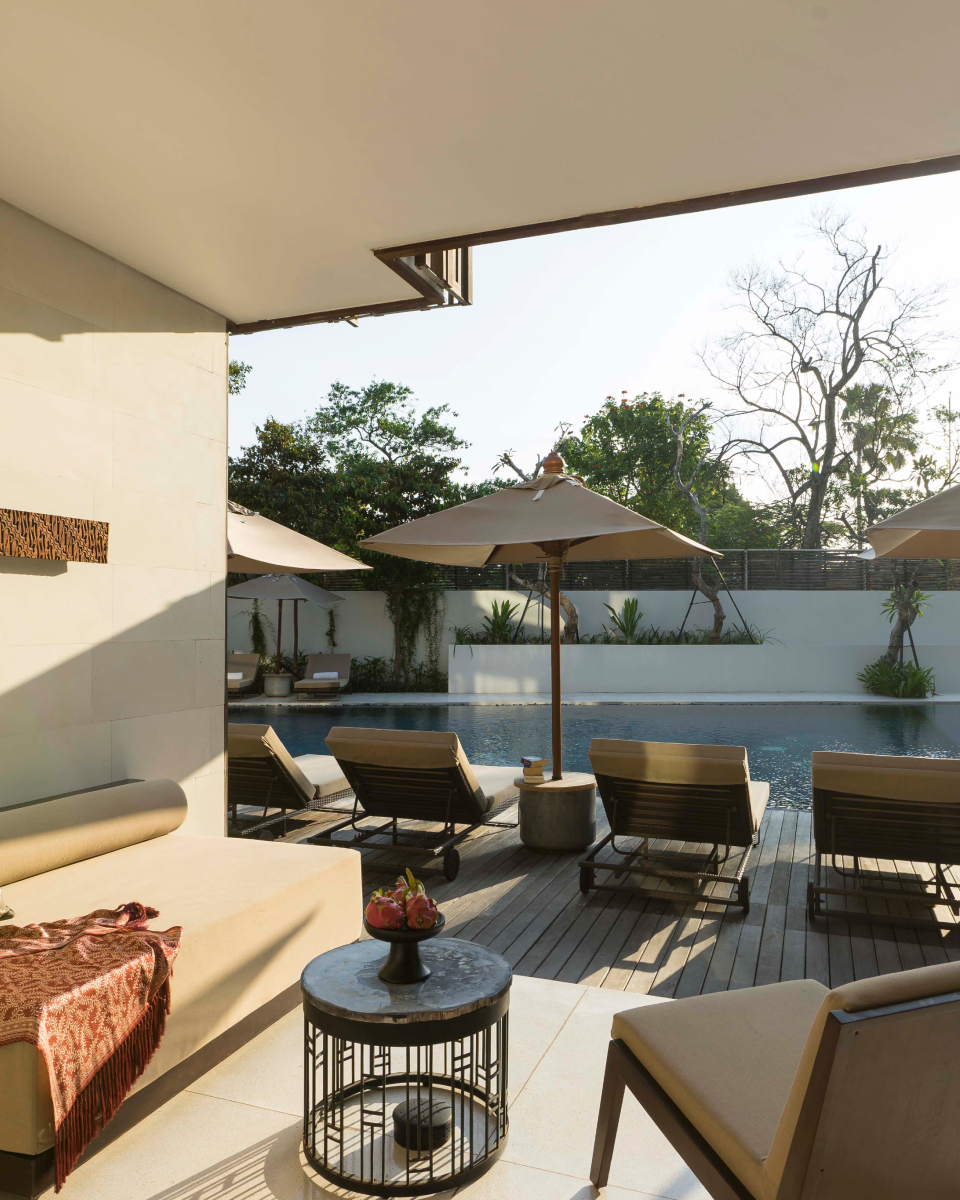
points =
(417, 775)
(261, 773)
(880, 806)
(792, 1091)
(680, 793)
(246, 666)
(252, 915)
(324, 664)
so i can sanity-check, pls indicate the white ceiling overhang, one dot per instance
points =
(253, 156)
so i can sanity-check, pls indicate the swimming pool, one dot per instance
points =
(779, 737)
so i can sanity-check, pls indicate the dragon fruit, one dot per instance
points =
(406, 904)
(383, 912)
(422, 912)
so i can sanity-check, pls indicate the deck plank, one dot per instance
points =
(528, 907)
(747, 956)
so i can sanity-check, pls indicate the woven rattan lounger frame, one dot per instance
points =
(263, 783)
(871, 827)
(711, 815)
(423, 794)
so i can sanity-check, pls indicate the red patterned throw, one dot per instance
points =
(92, 994)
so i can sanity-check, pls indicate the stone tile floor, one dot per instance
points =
(235, 1134)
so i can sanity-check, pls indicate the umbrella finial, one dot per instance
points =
(553, 464)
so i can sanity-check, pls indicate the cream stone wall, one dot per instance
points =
(113, 406)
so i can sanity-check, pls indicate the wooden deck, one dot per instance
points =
(528, 907)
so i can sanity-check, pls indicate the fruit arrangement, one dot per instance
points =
(406, 905)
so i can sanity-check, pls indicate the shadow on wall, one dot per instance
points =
(144, 702)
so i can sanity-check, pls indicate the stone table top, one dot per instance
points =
(463, 978)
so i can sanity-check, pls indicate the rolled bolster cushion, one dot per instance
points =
(234, 674)
(325, 675)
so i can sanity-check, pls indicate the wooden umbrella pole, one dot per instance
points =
(555, 565)
(279, 634)
(296, 638)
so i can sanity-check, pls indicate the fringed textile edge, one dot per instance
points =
(103, 1094)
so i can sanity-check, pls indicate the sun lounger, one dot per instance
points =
(880, 806)
(415, 775)
(336, 666)
(791, 1090)
(246, 666)
(262, 774)
(676, 793)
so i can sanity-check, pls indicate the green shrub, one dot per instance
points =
(626, 622)
(499, 625)
(905, 680)
(373, 674)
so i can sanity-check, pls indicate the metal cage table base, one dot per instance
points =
(371, 1047)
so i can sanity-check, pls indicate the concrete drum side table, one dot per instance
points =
(559, 815)
(405, 1085)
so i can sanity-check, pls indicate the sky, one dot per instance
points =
(558, 323)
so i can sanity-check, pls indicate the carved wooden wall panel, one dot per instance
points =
(40, 535)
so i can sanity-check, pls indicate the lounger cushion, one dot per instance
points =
(678, 765)
(497, 783)
(891, 776)
(318, 685)
(260, 741)
(246, 664)
(47, 834)
(759, 796)
(328, 662)
(324, 772)
(253, 914)
(728, 1061)
(414, 748)
(669, 762)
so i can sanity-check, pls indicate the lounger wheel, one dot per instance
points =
(451, 864)
(586, 880)
(743, 894)
(267, 835)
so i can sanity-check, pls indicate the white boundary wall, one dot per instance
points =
(834, 633)
(525, 670)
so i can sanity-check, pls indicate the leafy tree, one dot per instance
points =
(364, 462)
(237, 377)
(628, 451)
(879, 436)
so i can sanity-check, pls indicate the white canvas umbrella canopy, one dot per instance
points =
(930, 529)
(258, 546)
(552, 517)
(285, 587)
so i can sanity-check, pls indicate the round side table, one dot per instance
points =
(558, 815)
(405, 1085)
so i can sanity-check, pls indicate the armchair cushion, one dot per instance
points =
(728, 1060)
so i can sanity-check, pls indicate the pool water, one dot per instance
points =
(779, 737)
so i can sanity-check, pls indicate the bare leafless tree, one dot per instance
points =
(809, 331)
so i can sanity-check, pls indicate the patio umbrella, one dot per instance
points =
(258, 546)
(285, 587)
(930, 529)
(553, 517)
